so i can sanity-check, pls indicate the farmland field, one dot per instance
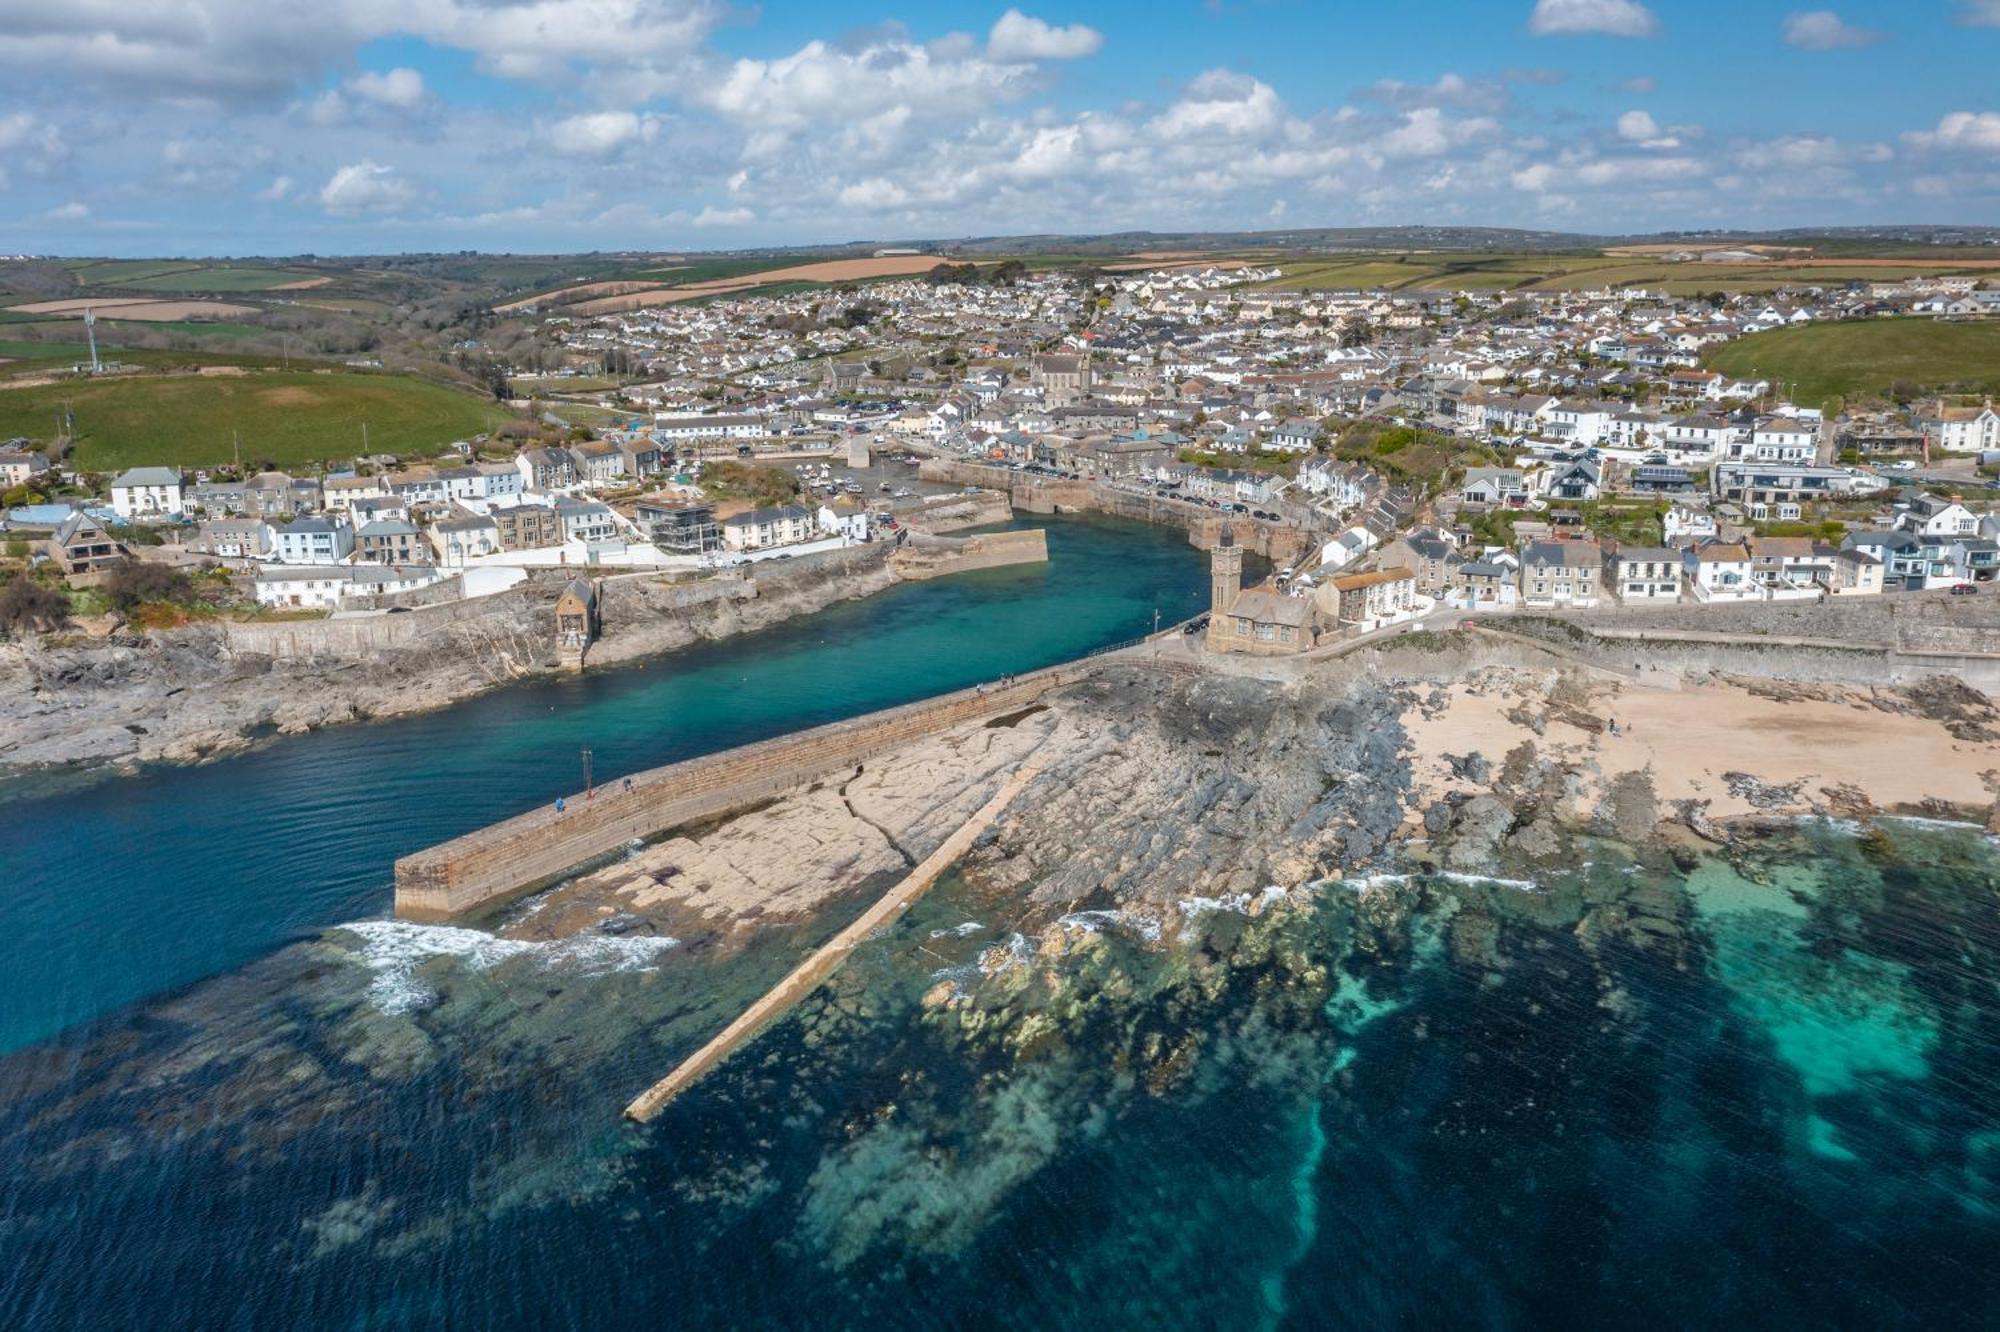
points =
(221, 279)
(1865, 357)
(285, 419)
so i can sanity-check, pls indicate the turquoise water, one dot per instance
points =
(1759, 1089)
(131, 886)
(1426, 1103)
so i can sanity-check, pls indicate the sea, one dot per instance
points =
(1754, 1086)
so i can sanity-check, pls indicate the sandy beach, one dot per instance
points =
(1688, 739)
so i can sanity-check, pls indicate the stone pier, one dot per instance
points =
(483, 869)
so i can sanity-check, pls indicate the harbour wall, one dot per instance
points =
(939, 557)
(492, 865)
(1688, 652)
(1279, 542)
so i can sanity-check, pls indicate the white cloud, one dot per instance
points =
(277, 191)
(31, 141)
(401, 89)
(1824, 30)
(599, 133)
(1016, 36)
(1961, 131)
(1979, 13)
(1450, 90)
(712, 217)
(878, 89)
(1612, 18)
(250, 49)
(1222, 104)
(1637, 126)
(366, 187)
(1803, 151)
(69, 212)
(877, 193)
(1641, 84)
(1427, 132)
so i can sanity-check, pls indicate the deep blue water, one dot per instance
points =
(128, 887)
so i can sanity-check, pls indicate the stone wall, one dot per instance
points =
(1278, 542)
(485, 868)
(362, 636)
(939, 557)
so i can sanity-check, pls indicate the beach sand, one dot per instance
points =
(1687, 739)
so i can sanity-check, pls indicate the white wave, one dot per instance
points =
(1368, 881)
(959, 931)
(1919, 821)
(1016, 951)
(393, 950)
(1518, 885)
(1194, 908)
(1097, 921)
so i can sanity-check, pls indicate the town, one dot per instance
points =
(1424, 452)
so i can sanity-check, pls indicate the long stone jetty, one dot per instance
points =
(808, 975)
(492, 865)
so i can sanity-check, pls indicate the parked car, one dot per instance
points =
(1964, 589)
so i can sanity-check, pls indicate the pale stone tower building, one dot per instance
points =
(1225, 577)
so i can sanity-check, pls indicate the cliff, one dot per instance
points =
(191, 694)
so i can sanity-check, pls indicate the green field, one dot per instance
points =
(218, 279)
(117, 272)
(1817, 361)
(285, 419)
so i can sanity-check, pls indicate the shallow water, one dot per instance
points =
(1765, 1092)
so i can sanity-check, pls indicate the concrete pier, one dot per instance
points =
(808, 975)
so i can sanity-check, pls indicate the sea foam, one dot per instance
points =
(394, 949)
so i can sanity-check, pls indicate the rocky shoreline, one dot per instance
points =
(187, 696)
(1163, 795)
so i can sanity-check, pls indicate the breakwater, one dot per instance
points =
(492, 865)
(807, 976)
(938, 557)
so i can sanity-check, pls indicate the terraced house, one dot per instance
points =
(1561, 574)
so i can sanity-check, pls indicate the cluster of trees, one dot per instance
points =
(1003, 274)
(27, 606)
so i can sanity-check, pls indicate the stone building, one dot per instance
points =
(576, 622)
(1061, 376)
(1256, 621)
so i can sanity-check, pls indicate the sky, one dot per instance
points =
(215, 127)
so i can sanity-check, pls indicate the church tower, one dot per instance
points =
(1225, 574)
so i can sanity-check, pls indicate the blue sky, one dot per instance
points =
(353, 126)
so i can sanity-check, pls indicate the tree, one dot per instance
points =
(131, 585)
(28, 607)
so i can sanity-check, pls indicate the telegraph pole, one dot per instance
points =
(586, 773)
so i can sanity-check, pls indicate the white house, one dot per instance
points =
(326, 586)
(1935, 515)
(1645, 575)
(147, 492)
(1961, 429)
(1721, 572)
(853, 524)
(312, 540)
(761, 528)
(670, 427)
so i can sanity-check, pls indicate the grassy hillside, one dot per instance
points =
(1867, 357)
(285, 419)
